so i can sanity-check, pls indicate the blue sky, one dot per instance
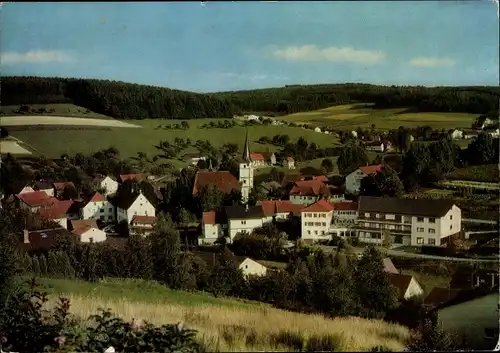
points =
(241, 45)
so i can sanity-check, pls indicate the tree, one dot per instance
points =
(351, 157)
(185, 217)
(66, 270)
(373, 288)
(383, 183)
(53, 265)
(90, 263)
(210, 198)
(386, 239)
(226, 279)
(443, 154)
(483, 150)
(416, 163)
(43, 265)
(327, 165)
(185, 125)
(138, 257)
(202, 164)
(36, 266)
(431, 339)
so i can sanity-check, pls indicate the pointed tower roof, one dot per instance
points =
(246, 149)
(210, 167)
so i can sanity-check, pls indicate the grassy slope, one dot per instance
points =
(354, 115)
(61, 109)
(223, 324)
(143, 140)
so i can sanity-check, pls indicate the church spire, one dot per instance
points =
(210, 164)
(246, 149)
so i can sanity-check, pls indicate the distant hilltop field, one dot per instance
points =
(122, 100)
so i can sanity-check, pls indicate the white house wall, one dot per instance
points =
(316, 231)
(243, 225)
(211, 232)
(353, 181)
(95, 234)
(414, 290)
(251, 267)
(96, 210)
(26, 189)
(140, 207)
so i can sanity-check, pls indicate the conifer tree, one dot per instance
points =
(36, 266)
(27, 264)
(43, 266)
(66, 270)
(53, 267)
(90, 263)
(138, 257)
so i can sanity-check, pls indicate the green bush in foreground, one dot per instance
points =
(27, 327)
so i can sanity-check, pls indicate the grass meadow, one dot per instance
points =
(224, 324)
(353, 115)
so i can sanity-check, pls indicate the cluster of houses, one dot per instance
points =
(483, 124)
(258, 160)
(81, 216)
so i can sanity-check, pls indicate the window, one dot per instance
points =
(110, 209)
(432, 220)
(315, 215)
(91, 240)
(431, 241)
(102, 218)
(243, 222)
(323, 232)
(323, 224)
(451, 217)
(367, 215)
(101, 210)
(244, 181)
(420, 240)
(308, 232)
(316, 232)
(451, 226)
(420, 219)
(420, 230)
(110, 218)
(432, 230)
(323, 215)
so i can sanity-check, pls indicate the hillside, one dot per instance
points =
(133, 101)
(224, 324)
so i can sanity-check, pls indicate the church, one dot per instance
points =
(224, 181)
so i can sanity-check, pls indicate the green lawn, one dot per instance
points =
(353, 115)
(53, 143)
(135, 291)
(63, 109)
(485, 173)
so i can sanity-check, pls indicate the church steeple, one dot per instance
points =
(210, 164)
(246, 149)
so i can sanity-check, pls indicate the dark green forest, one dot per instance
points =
(133, 101)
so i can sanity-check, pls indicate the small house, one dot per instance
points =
(457, 134)
(258, 160)
(248, 266)
(137, 177)
(61, 190)
(133, 204)
(317, 129)
(375, 146)
(98, 207)
(44, 186)
(107, 184)
(87, 231)
(213, 227)
(44, 239)
(142, 225)
(407, 286)
(288, 162)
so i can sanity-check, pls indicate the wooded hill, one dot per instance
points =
(122, 100)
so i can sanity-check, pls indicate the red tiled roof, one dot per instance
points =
(257, 157)
(308, 188)
(345, 206)
(322, 178)
(271, 207)
(209, 217)
(223, 180)
(83, 223)
(36, 198)
(320, 206)
(97, 197)
(136, 177)
(81, 230)
(372, 169)
(58, 211)
(44, 239)
(143, 220)
(63, 184)
(290, 159)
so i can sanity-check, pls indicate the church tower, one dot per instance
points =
(246, 172)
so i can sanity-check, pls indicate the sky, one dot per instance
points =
(220, 46)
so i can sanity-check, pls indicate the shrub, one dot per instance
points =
(290, 339)
(26, 327)
(323, 343)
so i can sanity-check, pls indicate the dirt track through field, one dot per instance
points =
(60, 120)
(12, 147)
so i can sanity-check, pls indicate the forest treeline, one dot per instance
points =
(133, 101)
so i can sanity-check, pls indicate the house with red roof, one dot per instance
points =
(213, 227)
(280, 210)
(36, 200)
(258, 160)
(129, 205)
(316, 220)
(142, 224)
(132, 177)
(61, 186)
(288, 162)
(87, 231)
(306, 192)
(222, 180)
(353, 180)
(58, 212)
(107, 184)
(44, 186)
(98, 207)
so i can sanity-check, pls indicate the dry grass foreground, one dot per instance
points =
(251, 328)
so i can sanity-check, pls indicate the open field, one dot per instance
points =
(61, 109)
(353, 115)
(485, 173)
(12, 147)
(23, 120)
(130, 141)
(223, 327)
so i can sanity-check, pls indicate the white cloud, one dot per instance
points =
(432, 62)
(314, 53)
(35, 56)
